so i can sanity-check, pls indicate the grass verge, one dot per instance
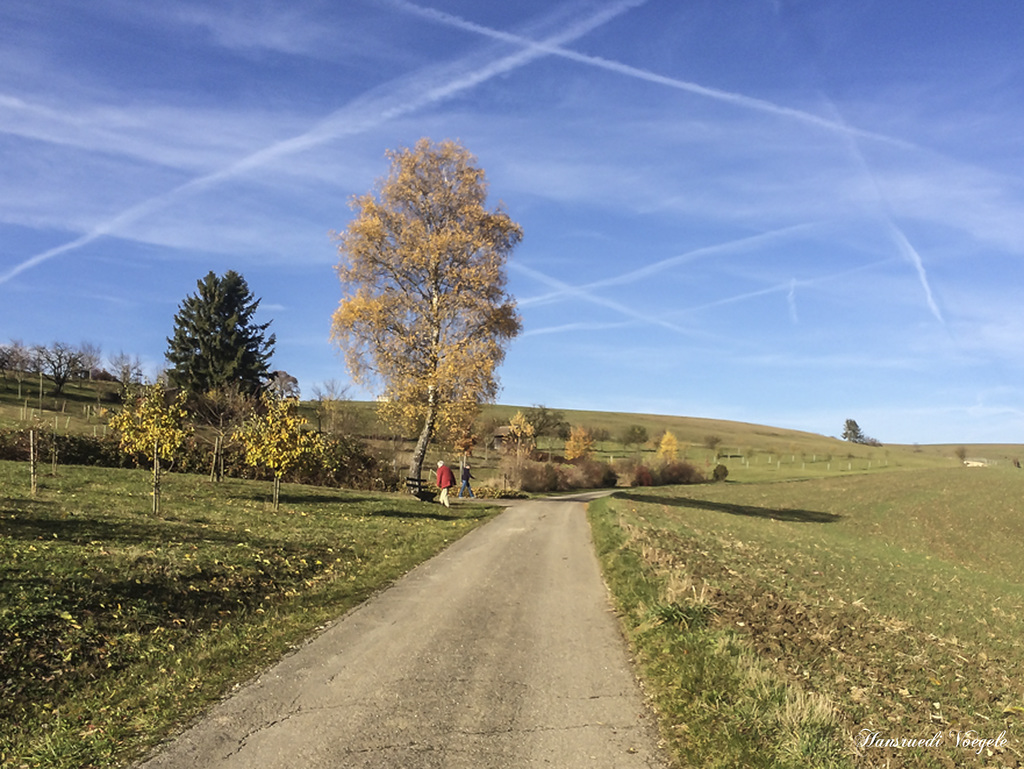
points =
(780, 624)
(116, 627)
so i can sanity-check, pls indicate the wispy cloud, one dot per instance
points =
(282, 28)
(186, 138)
(398, 99)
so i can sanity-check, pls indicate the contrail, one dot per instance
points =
(660, 266)
(839, 126)
(126, 217)
(789, 287)
(357, 117)
(581, 293)
(730, 97)
(899, 237)
(580, 326)
(915, 259)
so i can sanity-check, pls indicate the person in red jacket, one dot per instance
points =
(445, 480)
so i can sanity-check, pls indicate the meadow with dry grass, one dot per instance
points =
(832, 622)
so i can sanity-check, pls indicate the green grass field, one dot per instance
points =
(777, 621)
(116, 626)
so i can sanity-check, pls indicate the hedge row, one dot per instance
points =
(345, 462)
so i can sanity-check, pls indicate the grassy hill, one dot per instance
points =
(81, 408)
(750, 451)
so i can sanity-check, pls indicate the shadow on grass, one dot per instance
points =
(142, 531)
(434, 513)
(312, 498)
(751, 511)
(44, 521)
(86, 529)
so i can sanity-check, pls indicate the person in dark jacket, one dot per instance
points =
(466, 477)
(445, 480)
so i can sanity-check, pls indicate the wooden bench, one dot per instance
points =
(418, 488)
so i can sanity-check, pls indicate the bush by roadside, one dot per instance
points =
(669, 474)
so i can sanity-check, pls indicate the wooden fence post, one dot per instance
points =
(156, 478)
(32, 458)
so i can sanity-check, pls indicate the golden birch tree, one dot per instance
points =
(425, 314)
(155, 426)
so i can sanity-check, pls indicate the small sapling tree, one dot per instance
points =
(519, 444)
(580, 444)
(222, 410)
(20, 361)
(275, 439)
(335, 413)
(668, 449)
(154, 425)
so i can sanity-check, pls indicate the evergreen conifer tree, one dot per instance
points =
(216, 344)
(852, 432)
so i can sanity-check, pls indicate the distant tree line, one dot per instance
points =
(62, 362)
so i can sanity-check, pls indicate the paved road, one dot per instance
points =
(502, 652)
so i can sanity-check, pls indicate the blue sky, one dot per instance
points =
(788, 212)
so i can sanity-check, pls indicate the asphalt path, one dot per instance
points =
(500, 653)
